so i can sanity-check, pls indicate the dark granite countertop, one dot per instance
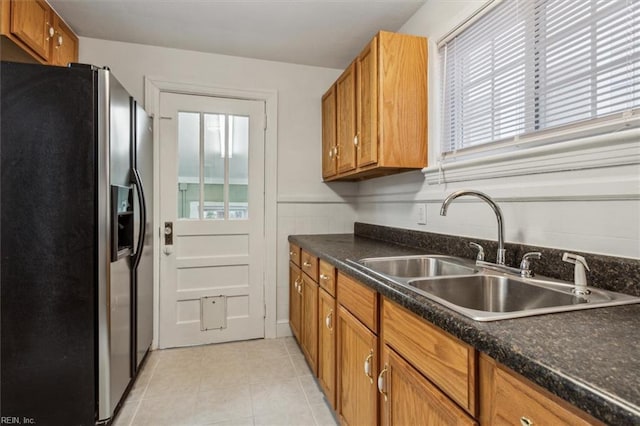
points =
(589, 358)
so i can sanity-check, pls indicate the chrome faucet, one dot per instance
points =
(445, 205)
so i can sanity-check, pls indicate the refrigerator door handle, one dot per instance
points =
(143, 218)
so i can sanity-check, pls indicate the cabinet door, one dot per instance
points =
(329, 133)
(310, 322)
(65, 44)
(31, 23)
(402, 97)
(295, 300)
(346, 121)
(327, 345)
(408, 398)
(367, 106)
(357, 370)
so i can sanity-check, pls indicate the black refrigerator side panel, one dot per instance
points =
(48, 249)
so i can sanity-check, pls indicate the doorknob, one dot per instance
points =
(168, 233)
(168, 238)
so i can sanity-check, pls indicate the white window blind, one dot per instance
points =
(527, 66)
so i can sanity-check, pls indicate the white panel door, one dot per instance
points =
(212, 194)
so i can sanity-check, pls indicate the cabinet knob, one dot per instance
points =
(381, 381)
(525, 421)
(305, 263)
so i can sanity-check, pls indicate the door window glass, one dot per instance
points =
(238, 167)
(213, 172)
(188, 164)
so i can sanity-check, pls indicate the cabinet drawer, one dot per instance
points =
(294, 254)
(508, 398)
(360, 300)
(309, 265)
(448, 362)
(327, 277)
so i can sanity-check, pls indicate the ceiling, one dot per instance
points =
(326, 33)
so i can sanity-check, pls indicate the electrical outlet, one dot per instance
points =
(422, 214)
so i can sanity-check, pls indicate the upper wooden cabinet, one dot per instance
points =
(346, 121)
(37, 33)
(381, 111)
(32, 24)
(329, 148)
(65, 44)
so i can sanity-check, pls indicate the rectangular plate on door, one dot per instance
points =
(213, 313)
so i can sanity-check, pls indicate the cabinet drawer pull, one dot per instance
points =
(367, 366)
(305, 263)
(292, 253)
(525, 421)
(324, 277)
(328, 321)
(381, 381)
(355, 140)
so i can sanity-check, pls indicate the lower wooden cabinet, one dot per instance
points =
(425, 375)
(327, 345)
(357, 371)
(507, 398)
(445, 360)
(295, 300)
(309, 326)
(408, 398)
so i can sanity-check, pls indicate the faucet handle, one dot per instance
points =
(525, 264)
(480, 255)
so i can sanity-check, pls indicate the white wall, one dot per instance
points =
(590, 210)
(305, 204)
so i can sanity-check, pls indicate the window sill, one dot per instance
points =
(609, 150)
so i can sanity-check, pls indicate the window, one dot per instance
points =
(526, 68)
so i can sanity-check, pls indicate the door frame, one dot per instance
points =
(153, 86)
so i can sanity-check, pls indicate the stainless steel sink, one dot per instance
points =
(486, 297)
(406, 267)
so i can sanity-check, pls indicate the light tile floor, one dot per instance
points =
(257, 382)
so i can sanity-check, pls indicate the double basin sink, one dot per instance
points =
(484, 295)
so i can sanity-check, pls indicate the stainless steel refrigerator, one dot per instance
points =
(76, 255)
